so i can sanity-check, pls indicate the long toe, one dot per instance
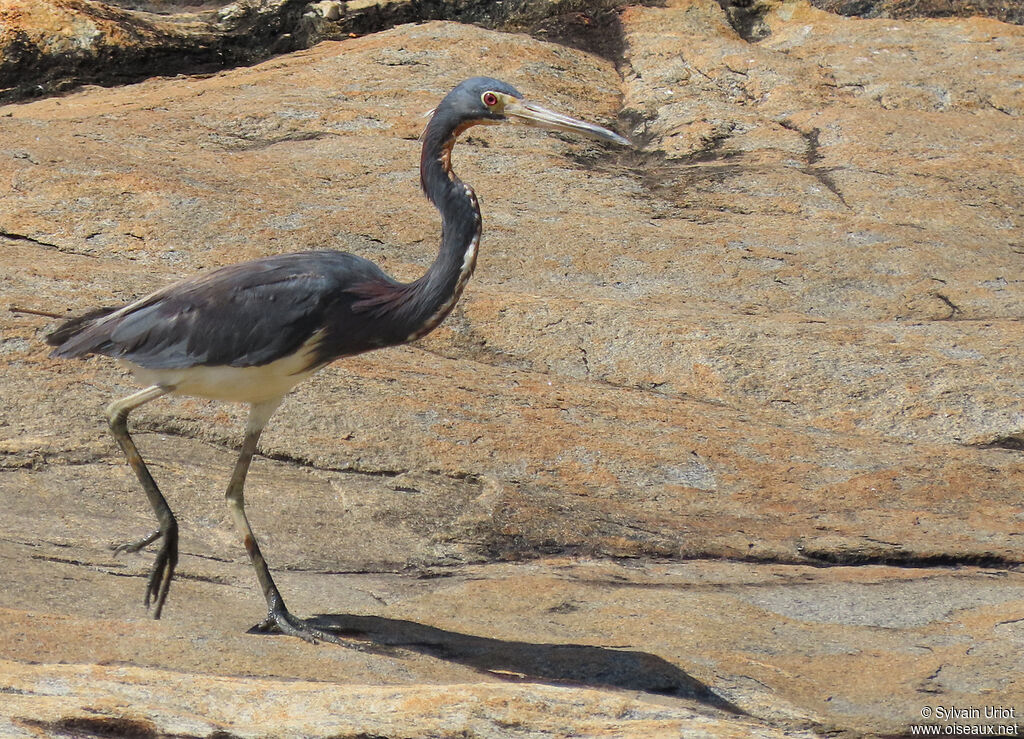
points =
(163, 571)
(135, 546)
(283, 622)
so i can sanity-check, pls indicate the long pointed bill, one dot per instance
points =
(534, 115)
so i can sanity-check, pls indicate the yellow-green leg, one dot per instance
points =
(167, 557)
(278, 618)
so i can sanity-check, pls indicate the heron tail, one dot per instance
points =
(75, 325)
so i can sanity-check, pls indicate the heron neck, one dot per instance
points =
(440, 288)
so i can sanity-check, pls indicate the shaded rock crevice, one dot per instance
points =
(101, 727)
(907, 559)
(29, 239)
(580, 24)
(747, 17)
(45, 245)
(813, 156)
(1008, 12)
(111, 46)
(1012, 441)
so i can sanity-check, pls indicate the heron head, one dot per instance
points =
(489, 101)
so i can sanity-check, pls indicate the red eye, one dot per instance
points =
(490, 99)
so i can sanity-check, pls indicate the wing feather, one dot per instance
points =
(242, 315)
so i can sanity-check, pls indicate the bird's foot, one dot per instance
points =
(163, 566)
(135, 546)
(163, 570)
(281, 621)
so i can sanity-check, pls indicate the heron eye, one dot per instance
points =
(490, 99)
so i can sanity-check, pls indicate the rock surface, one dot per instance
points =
(781, 334)
(52, 46)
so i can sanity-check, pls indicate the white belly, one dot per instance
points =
(233, 384)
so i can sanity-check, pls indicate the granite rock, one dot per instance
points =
(779, 335)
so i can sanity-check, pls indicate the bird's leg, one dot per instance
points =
(167, 558)
(278, 616)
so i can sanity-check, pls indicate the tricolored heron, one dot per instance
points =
(250, 332)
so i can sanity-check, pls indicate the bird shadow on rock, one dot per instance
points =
(575, 664)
